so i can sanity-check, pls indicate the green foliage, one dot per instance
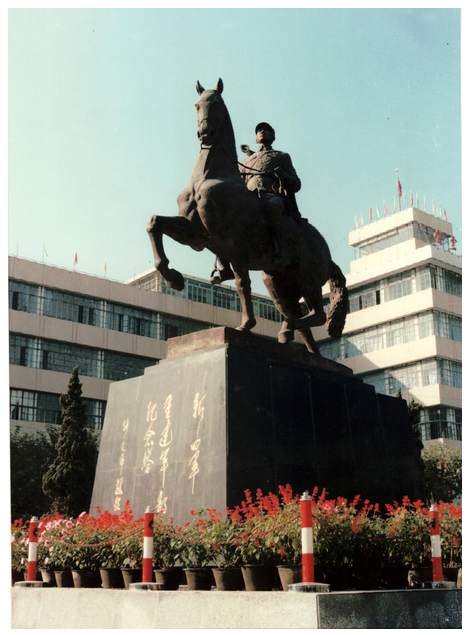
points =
(167, 544)
(69, 480)
(197, 550)
(224, 534)
(30, 456)
(442, 473)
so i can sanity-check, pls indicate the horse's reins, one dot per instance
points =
(254, 170)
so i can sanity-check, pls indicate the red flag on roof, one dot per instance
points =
(385, 208)
(371, 214)
(444, 210)
(76, 258)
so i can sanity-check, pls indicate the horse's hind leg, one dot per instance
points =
(180, 229)
(291, 309)
(243, 287)
(309, 340)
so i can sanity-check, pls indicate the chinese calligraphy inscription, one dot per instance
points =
(118, 490)
(198, 409)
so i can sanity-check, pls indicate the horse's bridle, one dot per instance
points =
(254, 170)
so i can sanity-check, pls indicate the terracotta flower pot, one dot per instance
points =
(131, 575)
(170, 578)
(339, 578)
(394, 577)
(111, 578)
(289, 574)
(199, 579)
(229, 579)
(48, 577)
(64, 578)
(367, 578)
(260, 577)
(16, 576)
(86, 578)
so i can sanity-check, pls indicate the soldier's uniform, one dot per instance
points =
(277, 193)
(266, 160)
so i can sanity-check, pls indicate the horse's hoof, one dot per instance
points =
(247, 326)
(174, 280)
(285, 337)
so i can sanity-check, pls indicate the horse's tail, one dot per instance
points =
(339, 302)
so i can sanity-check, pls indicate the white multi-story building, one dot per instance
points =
(110, 330)
(404, 327)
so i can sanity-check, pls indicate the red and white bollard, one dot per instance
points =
(435, 544)
(32, 550)
(307, 538)
(31, 581)
(307, 553)
(148, 545)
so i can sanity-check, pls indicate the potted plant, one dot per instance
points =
(44, 564)
(110, 572)
(167, 546)
(61, 557)
(196, 552)
(19, 550)
(223, 533)
(128, 552)
(285, 539)
(258, 556)
(347, 556)
(85, 568)
(408, 540)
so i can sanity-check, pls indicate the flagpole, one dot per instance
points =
(399, 192)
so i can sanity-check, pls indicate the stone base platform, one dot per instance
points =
(229, 411)
(105, 609)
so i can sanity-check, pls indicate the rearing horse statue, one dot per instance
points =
(219, 213)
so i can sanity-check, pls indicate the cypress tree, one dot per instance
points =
(69, 480)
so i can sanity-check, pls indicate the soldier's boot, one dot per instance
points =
(222, 273)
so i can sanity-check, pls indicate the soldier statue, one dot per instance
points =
(269, 173)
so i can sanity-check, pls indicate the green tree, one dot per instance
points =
(30, 456)
(69, 480)
(442, 473)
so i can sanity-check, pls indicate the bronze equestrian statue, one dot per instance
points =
(217, 211)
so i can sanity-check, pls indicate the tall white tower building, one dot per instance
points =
(404, 327)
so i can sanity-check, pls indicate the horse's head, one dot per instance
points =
(211, 113)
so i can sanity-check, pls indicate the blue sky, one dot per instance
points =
(102, 125)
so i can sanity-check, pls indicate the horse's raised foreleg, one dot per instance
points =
(180, 229)
(243, 287)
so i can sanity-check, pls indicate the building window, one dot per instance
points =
(394, 333)
(403, 285)
(440, 422)
(42, 407)
(23, 296)
(424, 373)
(224, 297)
(62, 357)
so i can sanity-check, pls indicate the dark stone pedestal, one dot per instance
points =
(229, 411)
